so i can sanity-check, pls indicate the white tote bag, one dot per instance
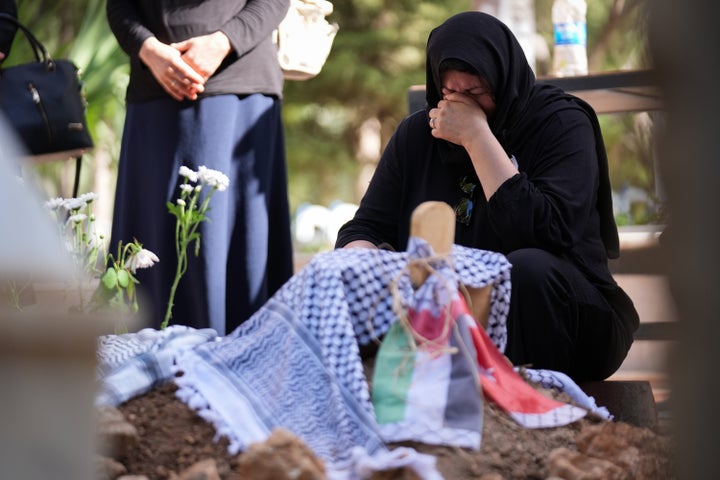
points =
(304, 38)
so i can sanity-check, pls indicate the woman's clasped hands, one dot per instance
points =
(183, 68)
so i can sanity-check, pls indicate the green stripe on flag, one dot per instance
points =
(394, 366)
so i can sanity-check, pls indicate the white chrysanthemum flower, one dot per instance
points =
(88, 197)
(54, 203)
(73, 204)
(214, 178)
(77, 218)
(186, 188)
(181, 202)
(144, 258)
(198, 188)
(188, 173)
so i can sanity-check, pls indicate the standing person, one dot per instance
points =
(205, 89)
(7, 29)
(524, 166)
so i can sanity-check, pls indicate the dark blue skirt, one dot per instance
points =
(246, 248)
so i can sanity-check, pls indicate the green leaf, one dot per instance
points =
(123, 278)
(110, 279)
(174, 209)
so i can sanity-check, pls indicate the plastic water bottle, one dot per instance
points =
(570, 31)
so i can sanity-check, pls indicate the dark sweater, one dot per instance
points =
(251, 66)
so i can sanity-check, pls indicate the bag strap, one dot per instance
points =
(76, 184)
(41, 53)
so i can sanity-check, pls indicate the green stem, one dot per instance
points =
(15, 293)
(181, 250)
(171, 300)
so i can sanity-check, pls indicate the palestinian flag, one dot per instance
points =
(435, 367)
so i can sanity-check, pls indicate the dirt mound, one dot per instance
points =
(171, 441)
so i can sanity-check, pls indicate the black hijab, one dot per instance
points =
(522, 105)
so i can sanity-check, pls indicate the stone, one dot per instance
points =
(203, 470)
(283, 456)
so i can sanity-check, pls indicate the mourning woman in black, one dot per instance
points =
(524, 166)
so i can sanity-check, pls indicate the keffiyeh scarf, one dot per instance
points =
(296, 362)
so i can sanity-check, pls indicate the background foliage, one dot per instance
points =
(337, 123)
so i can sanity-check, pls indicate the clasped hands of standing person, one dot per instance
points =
(182, 68)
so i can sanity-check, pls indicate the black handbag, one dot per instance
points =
(44, 102)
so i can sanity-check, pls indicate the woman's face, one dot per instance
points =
(474, 86)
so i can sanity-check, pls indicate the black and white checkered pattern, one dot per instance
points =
(345, 298)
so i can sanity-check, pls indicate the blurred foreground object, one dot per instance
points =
(47, 356)
(689, 69)
(29, 242)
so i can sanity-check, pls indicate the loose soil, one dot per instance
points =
(172, 438)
